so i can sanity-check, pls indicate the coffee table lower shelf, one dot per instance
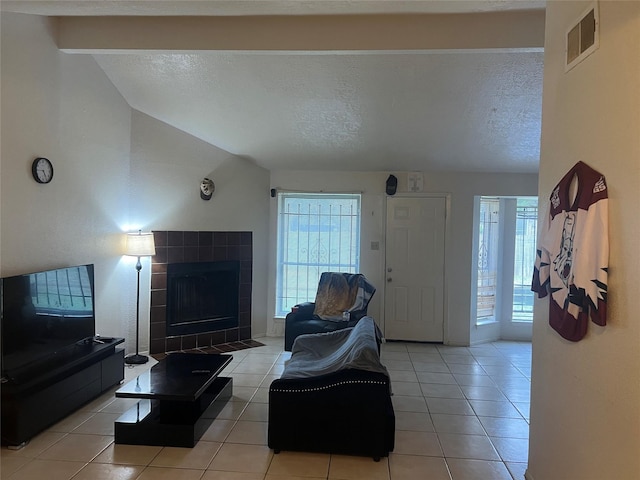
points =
(173, 423)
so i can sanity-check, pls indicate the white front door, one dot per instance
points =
(415, 247)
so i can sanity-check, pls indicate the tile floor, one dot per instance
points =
(461, 414)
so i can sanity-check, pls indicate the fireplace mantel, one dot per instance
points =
(197, 246)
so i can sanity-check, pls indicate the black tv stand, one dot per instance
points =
(35, 399)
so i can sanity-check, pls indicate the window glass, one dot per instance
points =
(316, 233)
(488, 231)
(525, 254)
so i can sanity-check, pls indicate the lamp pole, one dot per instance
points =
(139, 245)
(137, 359)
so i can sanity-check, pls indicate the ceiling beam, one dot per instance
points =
(512, 30)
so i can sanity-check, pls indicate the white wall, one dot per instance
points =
(63, 107)
(167, 166)
(461, 188)
(585, 404)
(116, 170)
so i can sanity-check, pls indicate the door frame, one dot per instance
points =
(447, 238)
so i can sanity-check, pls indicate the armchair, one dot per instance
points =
(337, 293)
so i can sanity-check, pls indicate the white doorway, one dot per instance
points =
(414, 271)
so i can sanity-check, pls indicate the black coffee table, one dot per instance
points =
(180, 397)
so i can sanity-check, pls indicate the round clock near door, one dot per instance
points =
(42, 170)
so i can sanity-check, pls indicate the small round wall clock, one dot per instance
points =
(42, 170)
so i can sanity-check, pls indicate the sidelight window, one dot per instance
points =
(506, 249)
(525, 254)
(488, 247)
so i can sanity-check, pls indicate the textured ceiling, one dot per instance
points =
(456, 110)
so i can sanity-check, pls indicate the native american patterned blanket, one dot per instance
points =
(342, 292)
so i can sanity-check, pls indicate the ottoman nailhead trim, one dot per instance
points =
(326, 387)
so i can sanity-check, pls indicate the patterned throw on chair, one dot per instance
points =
(341, 292)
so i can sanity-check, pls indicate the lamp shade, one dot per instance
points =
(140, 245)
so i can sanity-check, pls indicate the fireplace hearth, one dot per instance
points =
(201, 248)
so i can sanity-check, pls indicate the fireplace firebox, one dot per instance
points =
(202, 297)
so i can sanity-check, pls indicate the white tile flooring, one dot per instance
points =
(461, 414)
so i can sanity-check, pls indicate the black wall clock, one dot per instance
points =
(42, 170)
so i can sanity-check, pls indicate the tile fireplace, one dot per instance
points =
(228, 252)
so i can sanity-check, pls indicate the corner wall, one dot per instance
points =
(116, 170)
(585, 403)
(167, 166)
(64, 108)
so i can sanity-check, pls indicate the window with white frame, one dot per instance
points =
(488, 238)
(506, 240)
(317, 232)
(524, 257)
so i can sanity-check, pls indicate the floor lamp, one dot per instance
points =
(139, 245)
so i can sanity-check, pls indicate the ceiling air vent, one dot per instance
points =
(582, 37)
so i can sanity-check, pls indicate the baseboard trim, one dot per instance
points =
(528, 475)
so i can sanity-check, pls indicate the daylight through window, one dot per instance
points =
(316, 233)
(488, 237)
(525, 254)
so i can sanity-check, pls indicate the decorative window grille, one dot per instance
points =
(525, 254)
(488, 258)
(316, 233)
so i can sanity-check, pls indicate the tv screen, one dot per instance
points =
(45, 315)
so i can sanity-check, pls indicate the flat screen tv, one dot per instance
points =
(46, 317)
